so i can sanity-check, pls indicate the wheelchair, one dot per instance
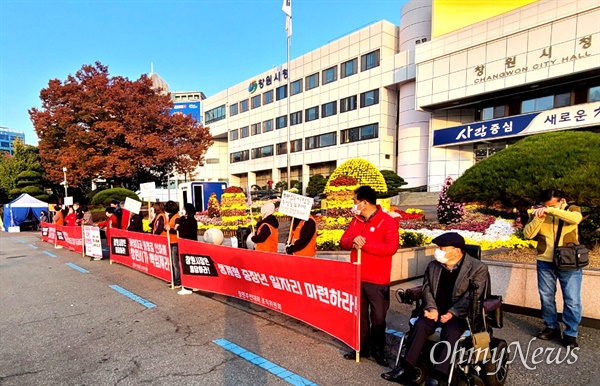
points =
(474, 366)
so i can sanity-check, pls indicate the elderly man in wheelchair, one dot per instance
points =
(450, 320)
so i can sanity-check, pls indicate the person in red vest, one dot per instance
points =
(375, 234)
(110, 222)
(71, 219)
(267, 233)
(304, 238)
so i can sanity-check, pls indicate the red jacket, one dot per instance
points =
(381, 232)
(113, 224)
(71, 220)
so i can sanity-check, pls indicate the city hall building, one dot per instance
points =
(424, 99)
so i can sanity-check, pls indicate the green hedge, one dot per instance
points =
(119, 194)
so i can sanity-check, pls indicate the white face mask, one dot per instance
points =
(440, 256)
(355, 210)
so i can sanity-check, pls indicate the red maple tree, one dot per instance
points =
(100, 126)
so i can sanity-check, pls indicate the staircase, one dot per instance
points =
(415, 199)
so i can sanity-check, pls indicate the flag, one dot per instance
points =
(287, 8)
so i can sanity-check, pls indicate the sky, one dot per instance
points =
(194, 45)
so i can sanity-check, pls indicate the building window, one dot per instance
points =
(296, 118)
(255, 101)
(296, 145)
(281, 122)
(311, 114)
(281, 92)
(369, 98)
(233, 110)
(562, 100)
(594, 95)
(359, 133)
(239, 156)
(537, 104)
(492, 112)
(330, 75)
(268, 97)
(349, 68)
(370, 60)
(323, 140)
(233, 135)
(296, 87)
(255, 129)
(348, 104)
(329, 109)
(262, 152)
(244, 106)
(267, 126)
(244, 132)
(215, 114)
(312, 81)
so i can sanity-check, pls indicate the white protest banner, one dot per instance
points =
(295, 205)
(132, 205)
(68, 201)
(148, 191)
(93, 245)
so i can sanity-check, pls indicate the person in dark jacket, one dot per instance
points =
(118, 212)
(135, 223)
(187, 225)
(267, 235)
(445, 304)
(303, 238)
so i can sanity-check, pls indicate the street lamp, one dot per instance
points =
(65, 181)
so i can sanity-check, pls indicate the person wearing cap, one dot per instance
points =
(267, 234)
(375, 234)
(445, 304)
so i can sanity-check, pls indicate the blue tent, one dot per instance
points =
(22, 209)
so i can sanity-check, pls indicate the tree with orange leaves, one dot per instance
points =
(103, 127)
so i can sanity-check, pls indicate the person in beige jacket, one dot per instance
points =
(543, 226)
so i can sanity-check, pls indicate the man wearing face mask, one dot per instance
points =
(375, 233)
(445, 304)
(543, 225)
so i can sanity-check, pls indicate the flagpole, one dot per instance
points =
(289, 92)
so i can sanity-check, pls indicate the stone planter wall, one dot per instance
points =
(517, 283)
(407, 263)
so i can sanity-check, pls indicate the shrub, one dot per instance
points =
(565, 160)
(411, 239)
(233, 189)
(448, 211)
(32, 190)
(119, 194)
(316, 185)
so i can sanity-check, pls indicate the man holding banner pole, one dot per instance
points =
(374, 234)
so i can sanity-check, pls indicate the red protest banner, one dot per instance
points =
(143, 252)
(70, 238)
(48, 232)
(322, 293)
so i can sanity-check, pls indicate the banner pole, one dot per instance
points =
(170, 255)
(358, 308)
(289, 240)
(83, 241)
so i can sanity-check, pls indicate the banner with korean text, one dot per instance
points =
(70, 238)
(144, 252)
(48, 232)
(319, 292)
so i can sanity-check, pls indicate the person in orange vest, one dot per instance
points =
(160, 219)
(58, 218)
(267, 234)
(304, 238)
(172, 209)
